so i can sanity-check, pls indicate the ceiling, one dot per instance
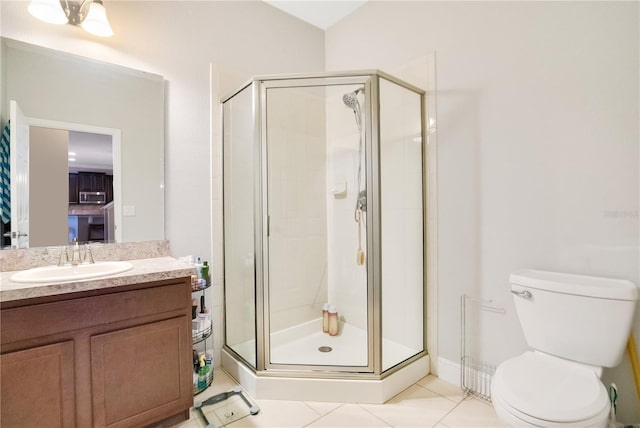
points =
(322, 14)
(92, 152)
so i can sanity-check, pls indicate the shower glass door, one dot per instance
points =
(316, 245)
(239, 222)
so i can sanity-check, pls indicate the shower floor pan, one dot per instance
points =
(300, 345)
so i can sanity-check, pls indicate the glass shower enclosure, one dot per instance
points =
(324, 193)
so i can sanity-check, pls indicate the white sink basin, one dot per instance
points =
(70, 273)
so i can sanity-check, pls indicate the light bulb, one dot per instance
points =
(96, 21)
(48, 11)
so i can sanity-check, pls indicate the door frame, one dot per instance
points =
(116, 147)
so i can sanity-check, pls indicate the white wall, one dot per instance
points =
(537, 143)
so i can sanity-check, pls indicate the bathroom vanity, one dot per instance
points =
(108, 352)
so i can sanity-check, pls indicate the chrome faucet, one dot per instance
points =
(77, 256)
(64, 257)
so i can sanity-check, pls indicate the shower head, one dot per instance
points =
(350, 99)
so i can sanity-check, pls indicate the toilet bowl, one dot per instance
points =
(535, 389)
(575, 326)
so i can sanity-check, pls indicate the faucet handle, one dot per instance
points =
(87, 252)
(64, 257)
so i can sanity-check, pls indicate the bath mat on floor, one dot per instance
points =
(225, 408)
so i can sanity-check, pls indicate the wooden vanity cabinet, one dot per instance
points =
(119, 357)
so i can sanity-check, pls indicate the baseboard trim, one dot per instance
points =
(449, 371)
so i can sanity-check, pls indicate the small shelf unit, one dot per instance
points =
(199, 336)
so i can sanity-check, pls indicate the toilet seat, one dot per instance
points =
(515, 418)
(540, 389)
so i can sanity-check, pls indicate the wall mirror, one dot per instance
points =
(73, 94)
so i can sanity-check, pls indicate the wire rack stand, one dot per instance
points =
(475, 375)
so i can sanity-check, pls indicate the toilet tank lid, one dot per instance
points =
(581, 285)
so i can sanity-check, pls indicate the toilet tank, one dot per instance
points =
(577, 317)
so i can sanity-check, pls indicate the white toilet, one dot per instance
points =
(576, 325)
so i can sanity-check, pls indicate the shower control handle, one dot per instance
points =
(361, 204)
(525, 293)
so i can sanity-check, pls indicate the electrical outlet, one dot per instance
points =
(128, 210)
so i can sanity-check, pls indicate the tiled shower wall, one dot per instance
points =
(347, 280)
(297, 205)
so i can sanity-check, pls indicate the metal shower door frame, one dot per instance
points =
(369, 81)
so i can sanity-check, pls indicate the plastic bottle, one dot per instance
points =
(198, 265)
(202, 373)
(208, 318)
(325, 318)
(205, 271)
(333, 321)
(202, 322)
(196, 365)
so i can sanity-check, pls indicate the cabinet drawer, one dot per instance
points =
(34, 321)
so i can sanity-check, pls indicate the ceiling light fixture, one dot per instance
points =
(89, 14)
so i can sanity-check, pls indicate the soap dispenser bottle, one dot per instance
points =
(325, 318)
(333, 321)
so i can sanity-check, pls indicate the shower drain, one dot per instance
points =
(325, 349)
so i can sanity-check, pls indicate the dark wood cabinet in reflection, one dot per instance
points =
(73, 189)
(90, 182)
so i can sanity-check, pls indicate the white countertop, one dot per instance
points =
(144, 270)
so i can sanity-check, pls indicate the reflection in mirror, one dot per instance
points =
(83, 163)
(56, 87)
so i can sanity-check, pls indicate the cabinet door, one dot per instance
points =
(73, 188)
(90, 182)
(84, 182)
(37, 387)
(108, 187)
(128, 393)
(97, 183)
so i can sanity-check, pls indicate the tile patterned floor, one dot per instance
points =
(430, 402)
